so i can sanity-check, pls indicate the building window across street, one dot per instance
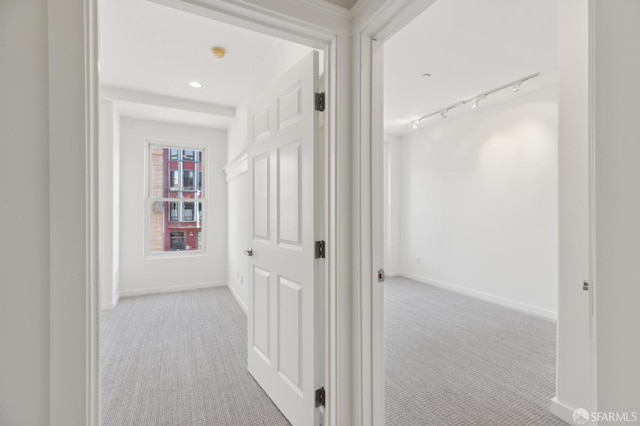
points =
(175, 199)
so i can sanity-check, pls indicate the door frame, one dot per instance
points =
(74, 307)
(369, 201)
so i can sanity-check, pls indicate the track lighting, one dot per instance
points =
(476, 99)
(516, 87)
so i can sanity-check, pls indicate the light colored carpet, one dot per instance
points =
(454, 360)
(179, 359)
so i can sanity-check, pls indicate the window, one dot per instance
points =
(188, 180)
(176, 199)
(178, 240)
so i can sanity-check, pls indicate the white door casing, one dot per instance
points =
(283, 128)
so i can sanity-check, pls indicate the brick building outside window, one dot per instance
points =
(175, 196)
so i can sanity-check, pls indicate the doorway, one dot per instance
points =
(470, 213)
(167, 136)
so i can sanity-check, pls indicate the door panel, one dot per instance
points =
(260, 312)
(260, 195)
(283, 322)
(289, 212)
(289, 327)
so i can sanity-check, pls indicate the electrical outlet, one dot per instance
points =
(418, 260)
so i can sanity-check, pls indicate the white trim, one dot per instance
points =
(237, 166)
(326, 7)
(243, 306)
(293, 20)
(487, 297)
(127, 95)
(593, 285)
(562, 410)
(108, 306)
(171, 288)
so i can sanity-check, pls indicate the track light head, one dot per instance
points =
(516, 87)
(475, 104)
(415, 124)
(443, 114)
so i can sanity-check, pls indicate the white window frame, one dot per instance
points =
(149, 201)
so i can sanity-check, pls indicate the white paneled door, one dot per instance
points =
(282, 330)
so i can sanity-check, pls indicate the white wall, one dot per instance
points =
(238, 207)
(140, 274)
(109, 192)
(24, 251)
(478, 203)
(573, 379)
(238, 237)
(617, 239)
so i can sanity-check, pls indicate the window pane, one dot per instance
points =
(157, 172)
(188, 180)
(175, 226)
(175, 174)
(174, 211)
(174, 180)
(188, 213)
(177, 240)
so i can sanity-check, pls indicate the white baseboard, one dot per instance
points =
(507, 303)
(561, 410)
(392, 274)
(108, 306)
(171, 289)
(238, 299)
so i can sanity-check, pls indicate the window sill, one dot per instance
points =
(178, 254)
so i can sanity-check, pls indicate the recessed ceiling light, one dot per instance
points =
(195, 84)
(426, 75)
(218, 51)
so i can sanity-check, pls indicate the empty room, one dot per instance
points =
(182, 237)
(471, 214)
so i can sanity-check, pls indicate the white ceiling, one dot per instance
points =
(469, 47)
(151, 48)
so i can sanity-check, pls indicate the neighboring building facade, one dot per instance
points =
(176, 174)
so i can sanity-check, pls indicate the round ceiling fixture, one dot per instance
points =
(218, 52)
(195, 84)
(426, 74)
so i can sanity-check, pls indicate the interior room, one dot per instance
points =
(471, 225)
(175, 90)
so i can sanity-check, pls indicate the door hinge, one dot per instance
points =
(320, 249)
(319, 103)
(585, 286)
(320, 396)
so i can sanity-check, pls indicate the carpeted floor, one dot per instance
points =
(179, 359)
(454, 360)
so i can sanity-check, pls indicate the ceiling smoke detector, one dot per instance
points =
(218, 52)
